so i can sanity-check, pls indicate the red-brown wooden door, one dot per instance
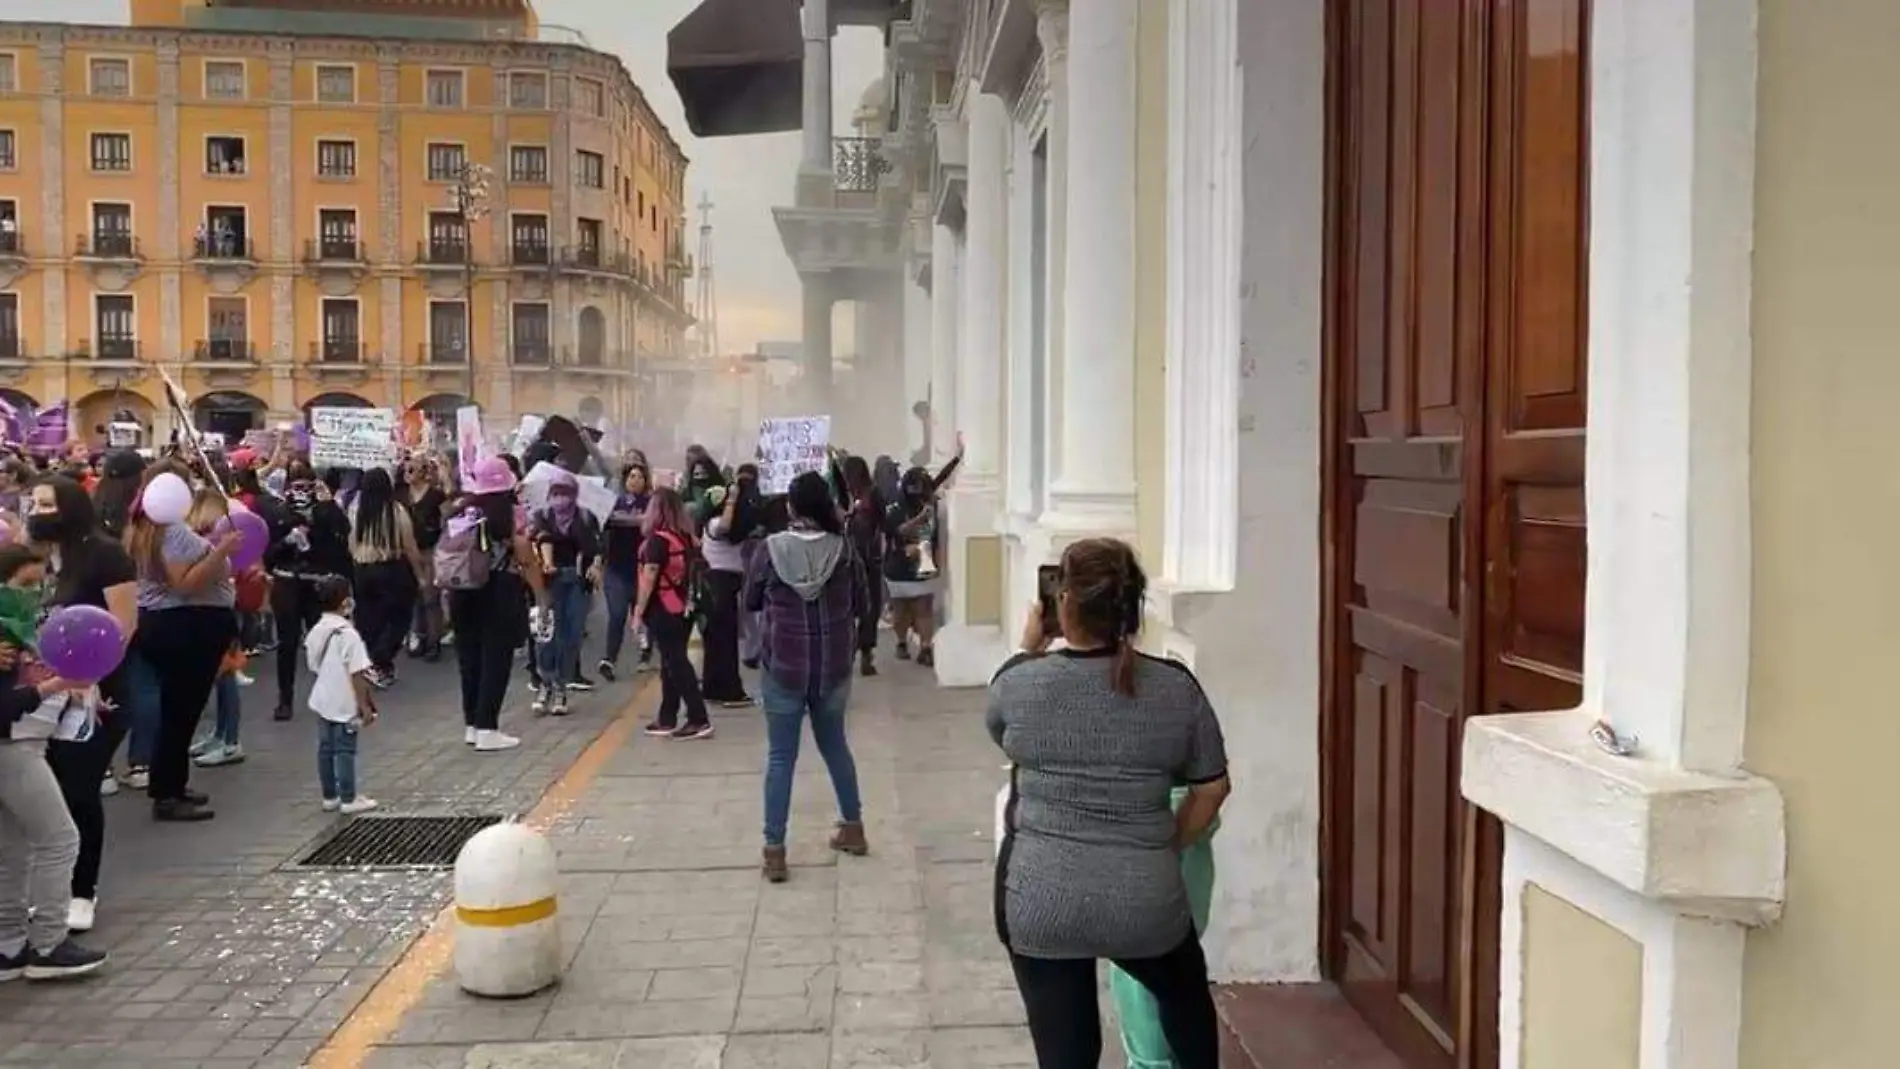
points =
(1454, 548)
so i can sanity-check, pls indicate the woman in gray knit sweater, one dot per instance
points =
(1098, 735)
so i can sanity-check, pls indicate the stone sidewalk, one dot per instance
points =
(680, 956)
(224, 952)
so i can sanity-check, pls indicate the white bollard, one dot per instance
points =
(507, 931)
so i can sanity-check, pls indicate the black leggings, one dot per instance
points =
(385, 602)
(293, 603)
(1065, 1022)
(186, 645)
(678, 684)
(720, 635)
(80, 767)
(489, 624)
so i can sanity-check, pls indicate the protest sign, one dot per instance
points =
(470, 447)
(789, 446)
(527, 432)
(352, 437)
(121, 435)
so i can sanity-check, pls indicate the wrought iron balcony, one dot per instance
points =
(586, 257)
(334, 251)
(529, 253)
(443, 252)
(225, 351)
(533, 353)
(227, 248)
(106, 245)
(109, 347)
(444, 351)
(337, 350)
(858, 164)
(12, 245)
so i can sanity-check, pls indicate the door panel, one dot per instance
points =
(1457, 377)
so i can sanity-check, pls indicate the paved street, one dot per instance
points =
(227, 954)
(680, 956)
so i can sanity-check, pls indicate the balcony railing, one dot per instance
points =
(336, 351)
(11, 243)
(529, 253)
(445, 252)
(857, 164)
(224, 351)
(533, 353)
(110, 347)
(106, 245)
(229, 248)
(583, 256)
(444, 351)
(333, 250)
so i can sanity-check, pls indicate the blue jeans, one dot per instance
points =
(225, 728)
(567, 597)
(336, 759)
(620, 590)
(785, 713)
(142, 692)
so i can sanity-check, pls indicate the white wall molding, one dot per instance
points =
(1202, 504)
(1691, 1016)
(1661, 841)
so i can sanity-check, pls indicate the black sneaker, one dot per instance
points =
(63, 962)
(866, 666)
(179, 811)
(606, 670)
(581, 683)
(743, 701)
(903, 651)
(659, 730)
(925, 658)
(283, 713)
(14, 967)
(694, 731)
(196, 797)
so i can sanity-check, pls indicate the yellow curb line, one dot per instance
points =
(380, 1013)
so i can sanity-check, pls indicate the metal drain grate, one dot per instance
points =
(397, 842)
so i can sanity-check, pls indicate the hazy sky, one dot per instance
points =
(746, 177)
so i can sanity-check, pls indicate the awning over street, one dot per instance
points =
(739, 67)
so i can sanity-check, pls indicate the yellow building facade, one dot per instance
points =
(287, 219)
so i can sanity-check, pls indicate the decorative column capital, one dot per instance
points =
(1052, 28)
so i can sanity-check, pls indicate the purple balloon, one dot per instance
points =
(82, 643)
(253, 536)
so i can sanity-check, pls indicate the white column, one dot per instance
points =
(919, 337)
(945, 291)
(968, 653)
(815, 347)
(817, 107)
(1094, 485)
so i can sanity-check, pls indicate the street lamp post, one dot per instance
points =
(468, 199)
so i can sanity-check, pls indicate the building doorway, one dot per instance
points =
(228, 413)
(1455, 391)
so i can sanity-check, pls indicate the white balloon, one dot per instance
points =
(167, 499)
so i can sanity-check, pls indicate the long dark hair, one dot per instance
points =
(811, 501)
(80, 535)
(112, 499)
(376, 511)
(1107, 596)
(857, 476)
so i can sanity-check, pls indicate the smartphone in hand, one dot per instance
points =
(1048, 583)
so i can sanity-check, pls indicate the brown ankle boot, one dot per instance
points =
(849, 839)
(774, 866)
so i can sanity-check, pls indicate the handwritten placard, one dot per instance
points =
(352, 437)
(789, 446)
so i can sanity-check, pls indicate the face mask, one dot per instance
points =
(45, 527)
(562, 502)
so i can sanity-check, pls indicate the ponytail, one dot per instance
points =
(1122, 673)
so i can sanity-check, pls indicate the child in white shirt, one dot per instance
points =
(341, 696)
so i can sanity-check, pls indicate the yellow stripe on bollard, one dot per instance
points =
(506, 916)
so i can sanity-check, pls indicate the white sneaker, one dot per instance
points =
(468, 735)
(138, 779)
(244, 680)
(361, 805)
(330, 805)
(79, 915)
(540, 703)
(204, 745)
(220, 755)
(108, 786)
(491, 741)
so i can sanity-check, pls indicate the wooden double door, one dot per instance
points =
(1454, 540)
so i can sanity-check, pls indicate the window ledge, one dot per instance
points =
(1701, 844)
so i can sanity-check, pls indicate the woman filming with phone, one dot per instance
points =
(1099, 735)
